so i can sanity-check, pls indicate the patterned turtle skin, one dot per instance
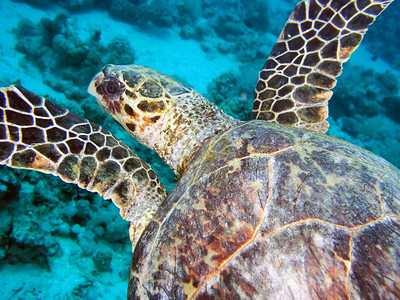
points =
(267, 209)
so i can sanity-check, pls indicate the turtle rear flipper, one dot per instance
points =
(295, 84)
(39, 135)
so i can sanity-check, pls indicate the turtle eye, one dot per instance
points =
(113, 87)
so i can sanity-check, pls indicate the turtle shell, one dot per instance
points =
(267, 211)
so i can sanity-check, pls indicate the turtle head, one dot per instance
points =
(137, 97)
(161, 113)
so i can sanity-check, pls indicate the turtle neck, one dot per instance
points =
(191, 120)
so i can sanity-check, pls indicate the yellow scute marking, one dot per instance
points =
(235, 164)
(251, 149)
(43, 164)
(214, 190)
(332, 179)
(239, 143)
(256, 185)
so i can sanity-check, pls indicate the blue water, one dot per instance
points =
(57, 241)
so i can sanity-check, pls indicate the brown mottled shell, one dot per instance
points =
(273, 212)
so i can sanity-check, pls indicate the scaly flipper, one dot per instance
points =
(39, 135)
(295, 84)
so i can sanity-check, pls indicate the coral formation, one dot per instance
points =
(38, 217)
(38, 3)
(102, 260)
(226, 90)
(67, 62)
(362, 106)
(77, 4)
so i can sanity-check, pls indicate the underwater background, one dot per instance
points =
(60, 242)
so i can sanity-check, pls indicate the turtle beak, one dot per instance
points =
(94, 88)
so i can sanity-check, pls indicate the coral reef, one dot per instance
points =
(38, 215)
(72, 5)
(362, 110)
(102, 260)
(67, 62)
(38, 3)
(77, 4)
(67, 65)
(225, 90)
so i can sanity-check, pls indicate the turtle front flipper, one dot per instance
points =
(295, 84)
(40, 135)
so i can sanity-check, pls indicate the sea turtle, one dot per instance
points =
(270, 208)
